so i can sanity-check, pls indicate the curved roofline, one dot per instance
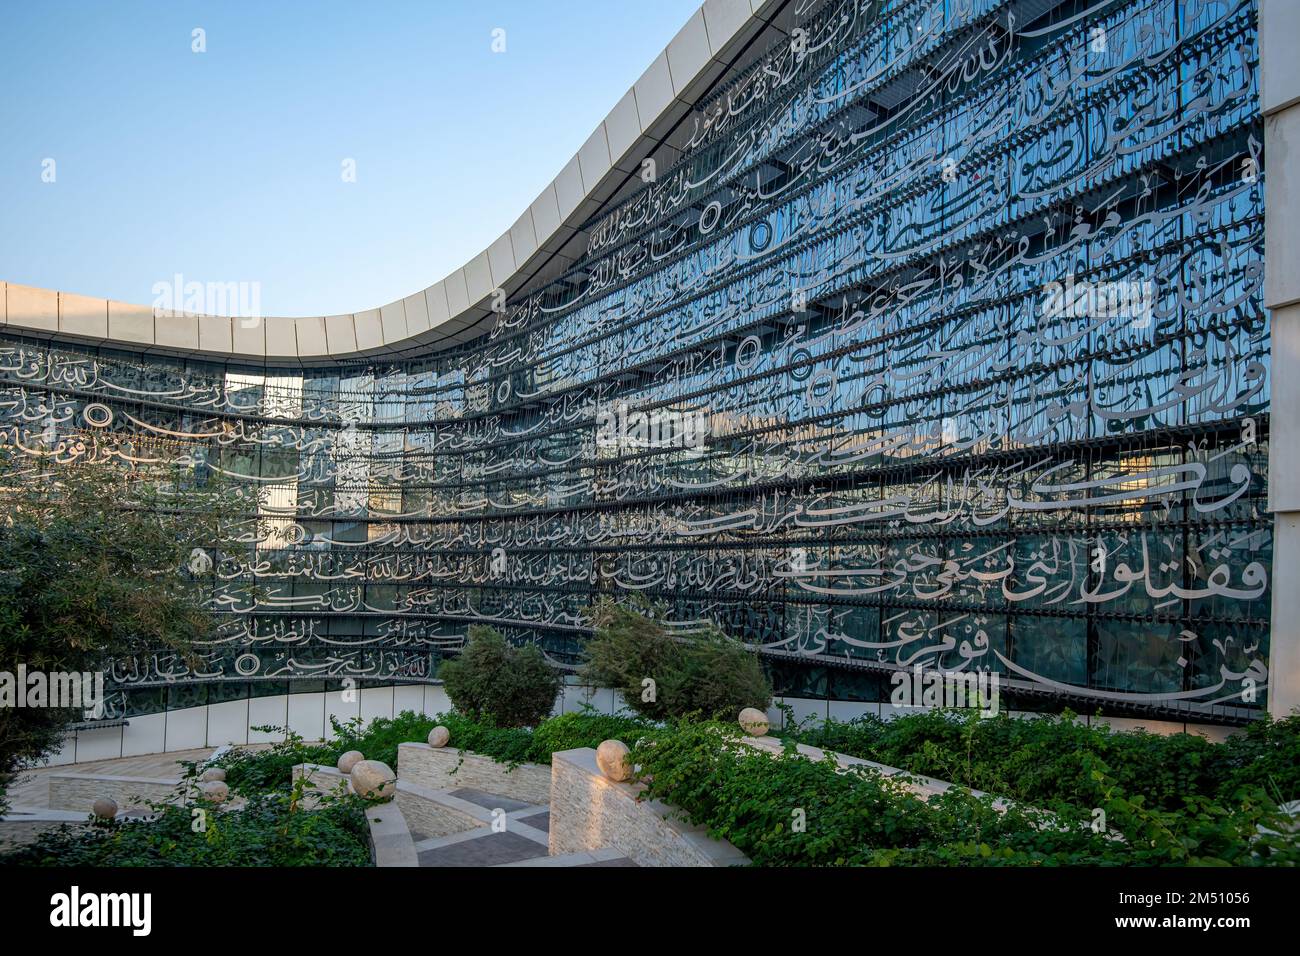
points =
(545, 239)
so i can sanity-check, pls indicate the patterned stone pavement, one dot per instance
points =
(519, 838)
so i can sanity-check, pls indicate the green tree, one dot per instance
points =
(704, 672)
(93, 567)
(492, 679)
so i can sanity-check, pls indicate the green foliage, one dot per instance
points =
(1049, 761)
(705, 672)
(252, 773)
(273, 828)
(379, 739)
(1266, 754)
(492, 679)
(858, 817)
(516, 745)
(584, 729)
(508, 745)
(92, 567)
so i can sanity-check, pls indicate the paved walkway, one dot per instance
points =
(518, 839)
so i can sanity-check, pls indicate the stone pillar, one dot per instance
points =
(1279, 26)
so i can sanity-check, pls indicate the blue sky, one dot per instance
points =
(225, 166)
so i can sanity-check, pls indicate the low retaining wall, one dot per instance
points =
(18, 828)
(390, 837)
(429, 818)
(446, 768)
(589, 812)
(75, 791)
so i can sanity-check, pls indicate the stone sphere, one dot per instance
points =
(754, 722)
(374, 780)
(350, 760)
(439, 736)
(611, 758)
(215, 790)
(212, 774)
(105, 808)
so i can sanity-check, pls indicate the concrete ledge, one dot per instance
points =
(447, 768)
(590, 813)
(390, 837)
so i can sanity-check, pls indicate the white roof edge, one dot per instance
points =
(407, 323)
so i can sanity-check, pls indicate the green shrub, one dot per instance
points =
(791, 811)
(513, 686)
(1266, 754)
(706, 672)
(1048, 761)
(253, 772)
(508, 745)
(584, 729)
(379, 739)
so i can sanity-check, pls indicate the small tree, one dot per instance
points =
(92, 568)
(705, 672)
(492, 679)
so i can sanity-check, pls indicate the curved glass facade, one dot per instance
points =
(941, 345)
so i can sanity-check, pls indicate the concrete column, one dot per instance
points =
(1279, 26)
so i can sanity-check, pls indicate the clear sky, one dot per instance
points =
(226, 166)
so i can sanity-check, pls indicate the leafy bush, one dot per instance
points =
(92, 565)
(379, 739)
(1048, 761)
(514, 686)
(585, 729)
(791, 811)
(254, 772)
(1266, 754)
(706, 672)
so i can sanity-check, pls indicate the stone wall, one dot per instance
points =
(390, 837)
(428, 818)
(447, 768)
(589, 812)
(16, 833)
(73, 791)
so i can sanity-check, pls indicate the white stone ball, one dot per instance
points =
(105, 808)
(754, 722)
(439, 736)
(350, 760)
(374, 780)
(215, 790)
(611, 758)
(211, 774)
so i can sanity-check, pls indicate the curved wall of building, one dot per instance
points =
(941, 344)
